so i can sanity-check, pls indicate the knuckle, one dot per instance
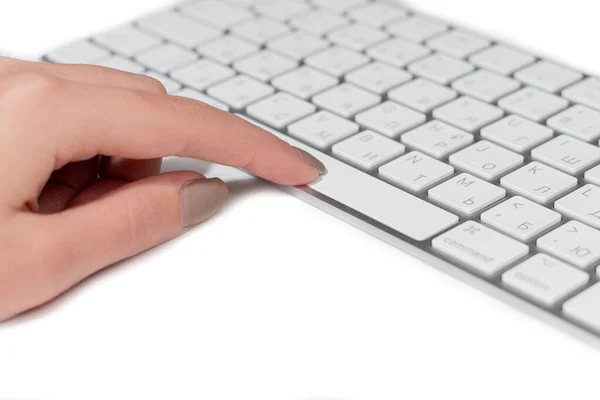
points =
(28, 89)
(152, 84)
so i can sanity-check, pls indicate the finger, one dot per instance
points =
(97, 190)
(128, 169)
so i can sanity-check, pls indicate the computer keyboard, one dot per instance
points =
(476, 156)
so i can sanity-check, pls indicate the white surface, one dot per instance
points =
(275, 300)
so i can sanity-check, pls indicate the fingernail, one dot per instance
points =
(201, 199)
(311, 160)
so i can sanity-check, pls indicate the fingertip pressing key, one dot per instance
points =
(312, 161)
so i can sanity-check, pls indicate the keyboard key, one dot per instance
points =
(215, 13)
(533, 104)
(346, 100)
(417, 28)
(567, 154)
(578, 121)
(398, 52)
(357, 37)
(82, 52)
(415, 172)
(586, 92)
(422, 95)
(547, 76)
(297, 45)
(264, 65)
(480, 248)
(486, 160)
(127, 41)
(521, 218)
(282, 10)
(378, 77)
(539, 182)
(178, 29)
(122, 64)
(545, 279)
(318, 23)
(440, 68)
(338, 6)
(260, 31)
(437, 139)
(193, 94)
(593, 175)
(240, 91)
(501, 59)
(516, 133)
(486, 86)
(377, 14)
(337, 61)
(584, 309)
(582, 205)
(466, 194)
(468, 114)
(280, 110)
(322, 130)
(390, 119)
(457, 44)
(574, 243)
(202, 74)
(165, 58)
(169, 84)
(367, 150)
(227, 49)
(304, 82)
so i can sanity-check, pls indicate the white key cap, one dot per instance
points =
(582, 205)
(169, 84)
(521, 218)
(337, 61)
(440, 68)
(318, 22)
(579, 121)
(584, 309)
(501, 59)
(260, 31)
(398, 52)
(378, 77)
(82, 52)
(422, 95)
(240, 91)
(282, 10)
(227, 49)
(390, 119)
(280, 110)
(376, 199)
(357, 37)
(346, 100)
(245, 3)
(304, 82)
(486, 160)
(457, 44)
(377, 14)
(127, 41)
(367, 150)
(437, 139)
(179, 29)
(533, 104)
(468, 114)
(485, 85)
(215, 13)
(574, 243)
(297, 45)
(415, 172)
(202, 74)
(538, 182)
(264, 65)
(516, 133)
(545, 280)
(593, 175)
(123, 64)
(323, 129)
(547, 76)
(166, 58)
(567, 154)
(417, 28)
(193, 94)
(586, 92)
(480, 248)
(338, 6)
(466, 194)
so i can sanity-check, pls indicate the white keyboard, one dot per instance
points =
(480, 158)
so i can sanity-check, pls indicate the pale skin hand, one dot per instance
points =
(80, 156)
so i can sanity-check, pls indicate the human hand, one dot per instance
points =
(80, 158)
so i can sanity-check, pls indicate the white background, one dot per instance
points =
(275, 300)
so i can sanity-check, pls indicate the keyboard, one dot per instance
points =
(476, 156)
